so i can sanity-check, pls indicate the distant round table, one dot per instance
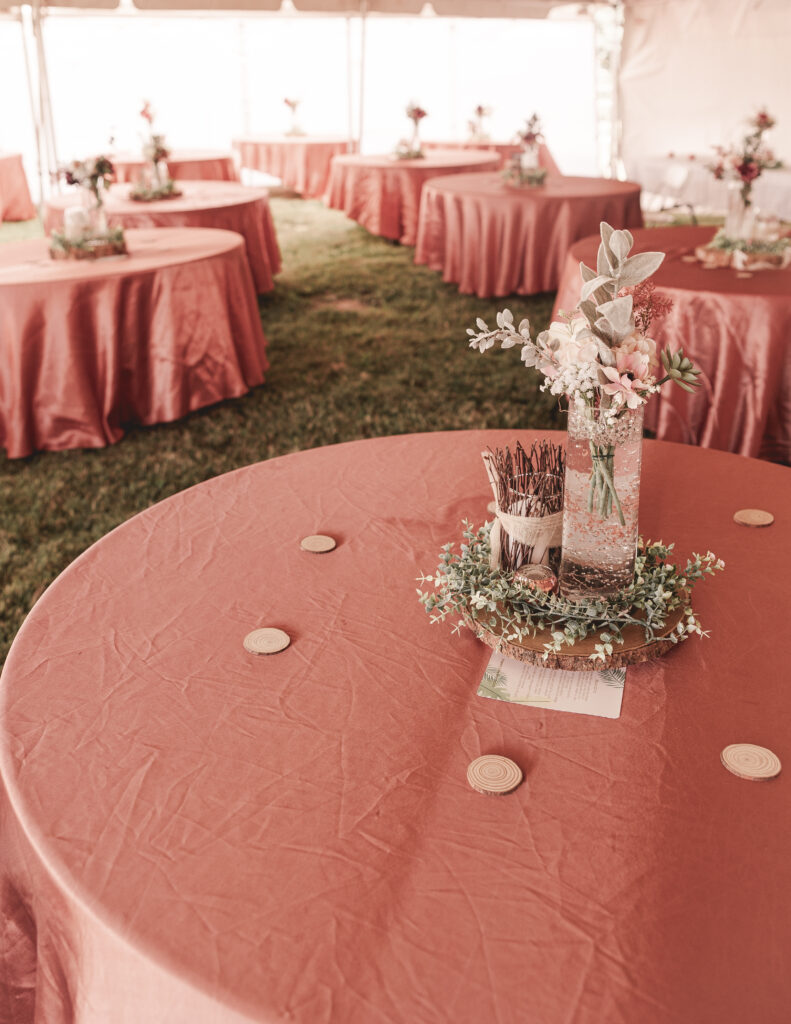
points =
(92, 345)
(383, 193)
(183, 164)
(735, 327)
(506, 150)
(194, 834)
(493, 239)
(204, 204)
(300, 161)
(15, 201)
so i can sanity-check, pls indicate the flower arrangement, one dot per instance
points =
(600, 357)
(466, 584)
(412, 150)
(293, 106)
(157, 183)
(85, 233)
(476, 126)
(532, 134)
(523, 170)
(747, 161)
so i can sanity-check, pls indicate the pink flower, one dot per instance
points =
(621, 387)
(147, 113)
(748, 170)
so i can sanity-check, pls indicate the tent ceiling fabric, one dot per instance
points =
(447, 8)
(105, 5)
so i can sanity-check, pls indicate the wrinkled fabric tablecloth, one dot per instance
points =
(302, 163)
(183, 165)
(91, 345)
(15, 201)
(204, 204)
(193, 833)
(736, 328)
(505, 149)
(493, 239)
(383, 193)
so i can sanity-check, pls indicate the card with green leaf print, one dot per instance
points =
(582, 693)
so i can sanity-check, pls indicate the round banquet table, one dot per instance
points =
(301, 162)
(382, 193)
(204, 204)
(194, 833)
(186, 164)
(493, 239)
(91, 345)
(15, 201)
(736, 329)
(506, 150)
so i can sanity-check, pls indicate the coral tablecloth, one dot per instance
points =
(90, 346)
(493, 239)
(204, 204)
(184, 164)
(738, 331)
(15, 201)
(383, 194)
(196, 834)
(302, 163)
(505, 149)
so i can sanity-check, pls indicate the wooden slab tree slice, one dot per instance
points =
(751, 762)
(634, 650)
(493, 774)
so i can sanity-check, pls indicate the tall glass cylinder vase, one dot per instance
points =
(93, 204)
(528, 158)
(414, 145)
(740, 216)
(602, 496)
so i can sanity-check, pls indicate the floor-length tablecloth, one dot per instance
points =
(302, 163)
(506, 151)
(383, 194)
(193, 833)
(493, 239)
(204, 204)
(90, 346)
(183, 164)
(15, 201)
(736, 328)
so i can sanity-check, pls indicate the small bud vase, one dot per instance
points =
(740, 216)
(602, 496)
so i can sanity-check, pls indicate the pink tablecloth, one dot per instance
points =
(302, 163)
(90, 346)
(383, 194)
(493, 239)
(184, 164)
(15, 201)
(195, 834)
(737, 329)
(505, 150)
(204, 204)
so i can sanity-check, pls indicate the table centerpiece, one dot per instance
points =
(411, 149)
(612, 587)
(86, 234)
(477, 126)
(156, 182)
(293, 106)
(523, 169)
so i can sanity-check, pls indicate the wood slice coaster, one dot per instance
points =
(753, 517)
(494, 774)
(633, 651)
(689, 258)
(750, 762)
(318, 543)
(266, 641)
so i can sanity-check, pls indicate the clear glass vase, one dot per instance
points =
(528, 159)
(740, 216)
(414, 144)
(601, 501)
(96, 217)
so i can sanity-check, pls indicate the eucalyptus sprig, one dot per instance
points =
(464, 584)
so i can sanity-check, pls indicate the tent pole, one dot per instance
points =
(45, 103)
(349, 87)
(363, 21)
(33, 109)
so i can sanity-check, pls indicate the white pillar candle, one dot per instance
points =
(76, 223)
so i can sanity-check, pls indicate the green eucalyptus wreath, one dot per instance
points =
(465, 584)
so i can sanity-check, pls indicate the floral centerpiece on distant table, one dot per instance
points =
(477, 126)
(411, 149)
(85, 233)
(740, 242)
(293, 106)
(524, 170)
(603, 361)
(157, 183)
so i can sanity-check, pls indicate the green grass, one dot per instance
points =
(361, 343)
